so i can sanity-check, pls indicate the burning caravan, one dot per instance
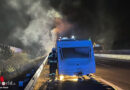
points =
(75, 57)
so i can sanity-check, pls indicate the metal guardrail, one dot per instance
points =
(33, 80)
(114, 56)
(125, 52)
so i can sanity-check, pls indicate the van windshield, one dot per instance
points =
(78, 52)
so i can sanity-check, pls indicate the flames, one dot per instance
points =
(62, 26)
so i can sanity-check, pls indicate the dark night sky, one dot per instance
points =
(105, 21)
(99, 19)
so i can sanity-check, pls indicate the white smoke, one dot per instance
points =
(39, 28)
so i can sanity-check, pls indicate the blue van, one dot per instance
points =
(75, 57)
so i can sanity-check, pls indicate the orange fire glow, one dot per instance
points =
(62, 26)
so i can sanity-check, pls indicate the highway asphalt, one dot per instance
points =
(114, 71)
(88, 84)
(84, 85)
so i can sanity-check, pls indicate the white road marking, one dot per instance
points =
(99, 79)
(114, 56)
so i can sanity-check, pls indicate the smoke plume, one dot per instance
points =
(101, 20)
(27, 24)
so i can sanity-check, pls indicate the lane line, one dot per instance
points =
(114, 56)
(106, 82)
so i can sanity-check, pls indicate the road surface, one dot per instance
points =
(88, 84)
(114, 71)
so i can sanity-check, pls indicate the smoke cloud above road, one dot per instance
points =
(28, 24)
(101, 20)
